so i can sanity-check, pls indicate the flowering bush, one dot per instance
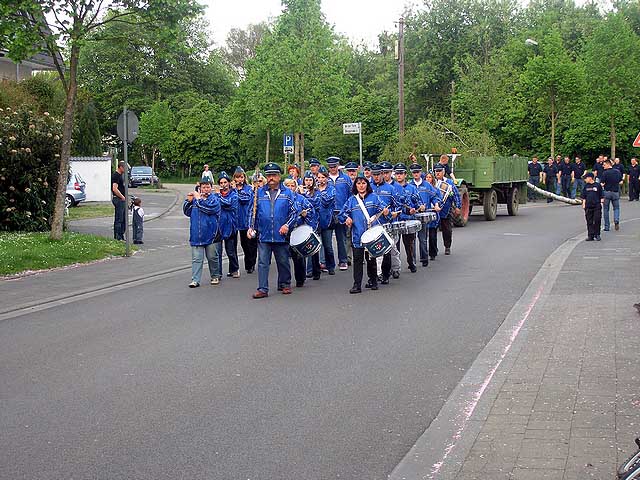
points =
(30, 146)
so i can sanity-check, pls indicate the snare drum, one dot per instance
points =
(427, 217)
(305, 241)
(376, 241)
(412, 226)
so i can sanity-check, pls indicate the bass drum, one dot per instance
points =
(305, 241)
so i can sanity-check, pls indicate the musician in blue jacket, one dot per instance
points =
(451, 202)
(428, 200)
(305, 215)
(227, 227)
(388, 196)
(203, 210)
(245, 210)
(387, 170)
(342, 183)
(412, 203)
(353, 215)
(275, 216)
(310, 191)
(327, 193)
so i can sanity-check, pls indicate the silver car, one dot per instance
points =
(75, 191)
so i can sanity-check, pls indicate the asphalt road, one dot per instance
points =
(159, 381)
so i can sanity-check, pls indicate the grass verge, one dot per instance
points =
(35, 251)
(93, 210)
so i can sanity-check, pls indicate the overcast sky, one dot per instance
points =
(359, 20)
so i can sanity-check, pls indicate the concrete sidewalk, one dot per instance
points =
(563, 400)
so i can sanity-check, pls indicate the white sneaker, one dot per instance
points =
(215, 281)
(236, 274)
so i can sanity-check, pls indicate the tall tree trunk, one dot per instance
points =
(57, 222)
(266, 154)
(301, 153)
(453, 93)
(553, 126)
(613, 137)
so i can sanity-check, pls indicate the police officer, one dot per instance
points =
(610, 180)
(576, 176)
(634, 180)
(592, 198)
(275, 216)
(342, 183)
(535, 171)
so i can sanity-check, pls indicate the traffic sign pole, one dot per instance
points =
(360, 142)
(126, 183)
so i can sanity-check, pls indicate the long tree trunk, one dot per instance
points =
(301, 153)
(57, 223)
(266, 153)
(553, 126)
(613, 137)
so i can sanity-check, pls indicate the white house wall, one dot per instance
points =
(97, 175)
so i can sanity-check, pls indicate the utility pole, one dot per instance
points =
(400, 55)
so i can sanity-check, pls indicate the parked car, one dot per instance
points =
(75, 190)
(142, 176)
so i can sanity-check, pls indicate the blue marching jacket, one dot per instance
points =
(303, 203)
(228, 213)
(387, 193)
(352, 210)
(327, 206)
(429, 197)
(245, 207)
(411, 199)
(314, 200)
(203, 223)
(271, 216)
(451, 200)
(343, 185)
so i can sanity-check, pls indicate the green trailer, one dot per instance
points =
(488, 181)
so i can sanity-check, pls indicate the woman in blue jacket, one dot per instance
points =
(312, 194)
(203, 210)
(353, 216)
(245, 209)
(228, 218)
(306, 215)
(327, 193)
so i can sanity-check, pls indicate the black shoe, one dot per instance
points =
(374, 286)
(385, 281)
(332, 272)
(280, 289)
(413, 269)
(138, 242)
(617, 226)
(425, 264)
(598, 238)
(432, 258)
(316, 277)
(250, 270)
(348, 263)
(355, 289)
(299, 284)
(588, 239)
(229, 274)
(368, 284)
(605, 229)
(447, 251)
(395, 275)
(380, 277)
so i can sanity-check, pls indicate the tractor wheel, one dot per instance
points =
(513, 203)
(490, 204)
(462, 218)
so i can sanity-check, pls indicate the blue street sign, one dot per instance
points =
(287, 140)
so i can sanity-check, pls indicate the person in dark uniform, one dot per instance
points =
(634, 180)
(576, 176)
(598, 168)
(450, 203)
(610, 180)
(119, 202)
(566, 170)
(535, 171)
(550, 177)
(592, 199)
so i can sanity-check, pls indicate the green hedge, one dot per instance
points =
(30, 146)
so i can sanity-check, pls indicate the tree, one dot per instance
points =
(612, 58)
(29, 25)
(87, 139)
(156, 129)
(553, 80)
(241, 45)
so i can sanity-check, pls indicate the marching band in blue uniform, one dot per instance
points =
(328, 201)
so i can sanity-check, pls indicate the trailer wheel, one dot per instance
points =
(490, 204)
(465, 208)
(513, 202)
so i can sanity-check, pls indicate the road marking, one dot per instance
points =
(513, 234)
(590, 258)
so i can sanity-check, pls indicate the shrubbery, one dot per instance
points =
(30, 146)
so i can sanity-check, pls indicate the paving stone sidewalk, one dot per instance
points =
(569, 407)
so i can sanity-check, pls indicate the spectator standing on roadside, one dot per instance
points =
(550, 177)
(207, 175)
(611, 178)
(634, 180)
(138, 220)
(592, 198)
(576, 176)
(119, 202)
(535, 172)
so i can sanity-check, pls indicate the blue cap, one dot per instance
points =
(386, 166)
(367, 165)
(400, 168)
(238, 170)
(314, 161)
(223, 175)
(438, 167)
(376, 169)
(323, 170)
(272, 168)
(351, 166)
(308, 174)
(589, 174)
(415, 167)
(333, 161)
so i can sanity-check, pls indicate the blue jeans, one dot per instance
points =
(327, 246)
(533, 181)
(341, 240)
(551, 187)
(197, 260)
(424, 245)
(281, 252)
(577, 182)
(611, 197)
(565, 185)
(558, 187)
(119, 218)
